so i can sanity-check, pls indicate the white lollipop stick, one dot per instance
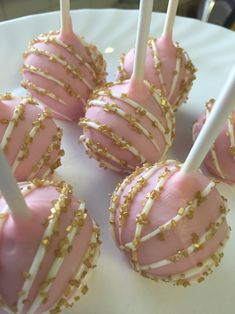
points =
(10, 189)
(170, 18)
(65, 18)
(213, 125)
(144, 21)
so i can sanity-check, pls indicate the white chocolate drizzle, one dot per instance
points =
(31, 134)
(45, 159)
(169, 116)
(42, 91)
(136, 125)
(77, 286)
(140, 108)
(189, 250)
(114, 137)
(94, 150)
(175, 77)
(157, 63)
(50, 38)
(115, 199)
(76, 73)
(142, 217)
(66, 86)
(11, 125)
(58, 261)
(184, 212)
(198, 273)
(147, 175)
(92, 61)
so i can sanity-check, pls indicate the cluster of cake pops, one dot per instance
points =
(167, 217)
(42, 224)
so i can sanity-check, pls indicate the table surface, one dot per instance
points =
(114, 288)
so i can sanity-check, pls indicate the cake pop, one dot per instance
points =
(167, 66)
(48, 245)
(29, 137)
(129, 123)
(220, 159)
(60, 69)
(168, 218)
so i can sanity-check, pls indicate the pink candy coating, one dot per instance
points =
(61, 70)
(29, 138)
(170, 225)
(21, 238)
(127, 124)
(167, 67)
(220, 161)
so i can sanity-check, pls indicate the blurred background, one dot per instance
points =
(221, 12)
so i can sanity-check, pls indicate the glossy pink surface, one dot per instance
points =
(140, 94)
(177, 191)
(80, 69)
(39, 143)
(20, 239)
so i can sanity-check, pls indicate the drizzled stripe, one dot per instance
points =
(66, 87)
(70, 49)
(42, 92)
(54, 58)
(137, 126)
(157, 64)
(155, 122)
(114, 137)
(189, 250)
(58, 261)
(95, 150)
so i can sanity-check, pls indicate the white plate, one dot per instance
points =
(114, 287)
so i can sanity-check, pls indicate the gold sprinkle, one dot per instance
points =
(201, 279)
(142, 219)
(181, 211)
(154, 194)
(232, 150)
(6, 96)
(74, 283)
(84, 289)
(223, 209)
(45, 242)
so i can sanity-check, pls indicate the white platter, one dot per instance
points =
(114, 288)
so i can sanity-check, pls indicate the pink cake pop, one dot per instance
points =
(171, 227)
(60, 69)
(129, 123)
(220, 160)
(46, 251)
(167, 66)
(169, 219)
(29, 138)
